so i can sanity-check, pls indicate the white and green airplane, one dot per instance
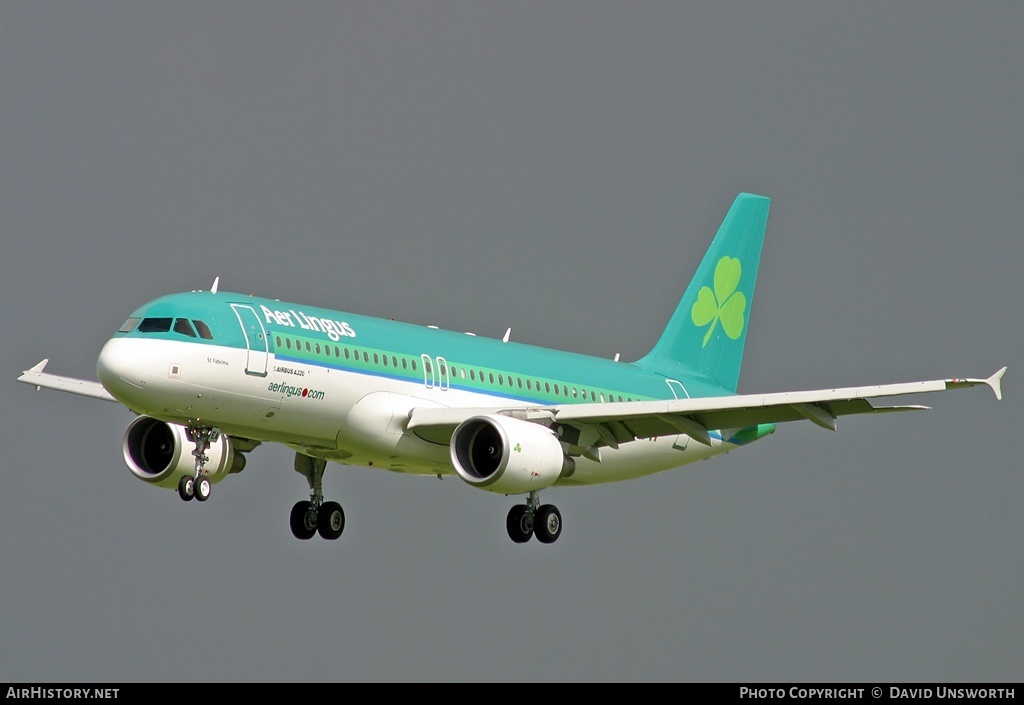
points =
(212, 374)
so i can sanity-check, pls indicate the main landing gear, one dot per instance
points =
(534, 519)
(316, 515)
(198, 487)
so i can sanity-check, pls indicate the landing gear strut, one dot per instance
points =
(534, 519)
(316, 515)
(198, 487)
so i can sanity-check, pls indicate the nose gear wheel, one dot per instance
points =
(198, 486)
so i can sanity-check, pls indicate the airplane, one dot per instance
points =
(221, 373)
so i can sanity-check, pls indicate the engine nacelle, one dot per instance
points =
(161, 453)
(501, 454)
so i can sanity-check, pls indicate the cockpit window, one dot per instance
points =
(155, 325)
(129, 325)
(182, 326)
(204, 330)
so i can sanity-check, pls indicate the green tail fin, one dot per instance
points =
(707, 332)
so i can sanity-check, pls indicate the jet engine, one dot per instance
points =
(161, 453)
(506, 455)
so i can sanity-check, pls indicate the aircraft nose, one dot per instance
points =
(121, 369)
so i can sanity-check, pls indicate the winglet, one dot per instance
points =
(995, 383)
(38, 367)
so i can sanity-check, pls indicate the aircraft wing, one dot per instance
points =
(610, 424)
(83, 387)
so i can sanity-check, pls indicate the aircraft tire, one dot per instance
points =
(330, 520)
(185, 489)
(202, 488)
(300, 528)
(547, 523)
(516, 524)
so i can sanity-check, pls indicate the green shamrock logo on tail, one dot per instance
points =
(724, 304)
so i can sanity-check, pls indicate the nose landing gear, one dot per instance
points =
(198, 487)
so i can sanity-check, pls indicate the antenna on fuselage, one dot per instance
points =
(504, 338)
(216, 281)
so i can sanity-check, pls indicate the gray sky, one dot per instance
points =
(559, 168)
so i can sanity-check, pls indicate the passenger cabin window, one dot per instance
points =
(204, 330)
(129, 325)
(184, 327)
(155, 325)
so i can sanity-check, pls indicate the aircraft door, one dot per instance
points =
(255, 339)
(442, 373)
(428, 371)
(435, 372)
(676, 386)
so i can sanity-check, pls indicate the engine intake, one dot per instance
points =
(505, 455)
(161, 453)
